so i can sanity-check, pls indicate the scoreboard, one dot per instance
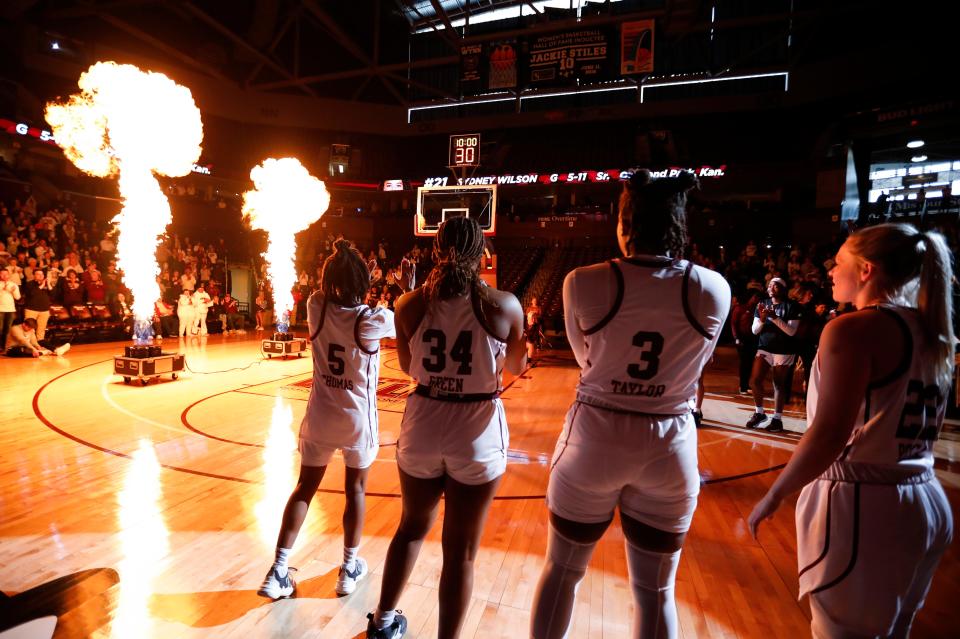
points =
(464, 150)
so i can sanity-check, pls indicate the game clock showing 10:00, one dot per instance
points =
(465, 150)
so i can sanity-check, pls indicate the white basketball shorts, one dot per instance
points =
(645, 464)
(867, 552)
(777, 359)
(467, 441)
(317, 454)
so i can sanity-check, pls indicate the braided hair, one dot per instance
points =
(457, 249)
(653, 213)
(345, 277)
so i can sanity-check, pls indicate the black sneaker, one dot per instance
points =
(755, 420)
(697, 417)
(775, 426)
(393, 631)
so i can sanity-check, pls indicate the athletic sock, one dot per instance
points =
(280, 562)
(777, 415)
(556, 592)
(652, 579)
(383, 618)
(758, 410)
(350, 557)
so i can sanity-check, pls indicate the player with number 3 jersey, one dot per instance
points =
(642, 328)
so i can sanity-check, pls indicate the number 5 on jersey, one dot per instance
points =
(334, 360)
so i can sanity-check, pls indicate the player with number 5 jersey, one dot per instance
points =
(341, 411)
(455, 335)
(641, 328)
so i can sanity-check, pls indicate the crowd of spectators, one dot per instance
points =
(804, 270)
(54, 257)
(392, 271)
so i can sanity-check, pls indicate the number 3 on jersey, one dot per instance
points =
(460, 352)
(652, 346)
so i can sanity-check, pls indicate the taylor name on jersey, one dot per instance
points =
(634, 388)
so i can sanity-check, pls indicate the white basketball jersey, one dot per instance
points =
(901, 415)
(647, 353)
(453, 353)
(342, 408)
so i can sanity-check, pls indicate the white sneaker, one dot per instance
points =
(276, 587)
(242, 332)
(61, 350)
(347, 579)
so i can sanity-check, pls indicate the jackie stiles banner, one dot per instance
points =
(563, 57)
(636, 47)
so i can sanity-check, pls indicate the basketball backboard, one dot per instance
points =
(438, 203)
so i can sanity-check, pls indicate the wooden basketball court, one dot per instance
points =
(132, 511)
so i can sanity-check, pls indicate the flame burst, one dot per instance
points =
(132, 124)
(286, 199)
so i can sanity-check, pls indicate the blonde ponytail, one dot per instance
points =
(916, 267)
(935, 303)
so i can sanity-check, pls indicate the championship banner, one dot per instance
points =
(636, 47)
(470, 57)
(502, 57)
(563, 57)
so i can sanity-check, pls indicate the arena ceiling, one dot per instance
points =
(406, 52)
(347, 49)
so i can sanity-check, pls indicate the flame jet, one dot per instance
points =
(132, 124)
(286, 199)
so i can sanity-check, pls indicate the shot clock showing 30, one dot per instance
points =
(464, 150)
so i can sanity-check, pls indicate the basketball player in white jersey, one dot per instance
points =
(872, 519)
(454, 337)
(185, 313)
(642, 328)
(341, 411)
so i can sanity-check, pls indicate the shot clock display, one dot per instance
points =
(464, 150)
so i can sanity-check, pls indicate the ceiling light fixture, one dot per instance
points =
(915, 144)
(918, 158)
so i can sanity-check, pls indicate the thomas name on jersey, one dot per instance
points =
(447, 384)
(338, 382)
(634, 388)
